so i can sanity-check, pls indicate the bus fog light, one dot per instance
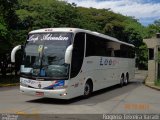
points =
(64, 94)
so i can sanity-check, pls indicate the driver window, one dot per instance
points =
(77, 54)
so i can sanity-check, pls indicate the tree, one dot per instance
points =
(142, 57)
(18, 17)
(152, 29)
(8, 21)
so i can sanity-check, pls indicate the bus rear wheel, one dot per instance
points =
(122, 81)
(127, 79)
(88, 89)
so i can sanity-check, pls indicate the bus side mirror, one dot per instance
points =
(68, 54)
(13, 53)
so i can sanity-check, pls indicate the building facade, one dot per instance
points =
(153, 45)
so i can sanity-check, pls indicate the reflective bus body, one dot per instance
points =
(65, 63)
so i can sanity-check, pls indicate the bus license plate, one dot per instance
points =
(39, 93)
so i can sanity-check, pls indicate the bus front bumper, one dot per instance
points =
(58, 94)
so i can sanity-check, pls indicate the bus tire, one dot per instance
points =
(127, 79)
(88, 88)
(122, 80)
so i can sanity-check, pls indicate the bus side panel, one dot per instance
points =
(76, 85)
(102, 73)
(107, 71)
(91, 68)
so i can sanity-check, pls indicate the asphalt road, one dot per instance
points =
(133, 98)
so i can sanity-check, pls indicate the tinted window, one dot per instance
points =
(124, 51)
(77, 54)
(131, 52)
(97, 46)
(127, 51)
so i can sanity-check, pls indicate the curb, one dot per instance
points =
(7, 85)
(153, 87)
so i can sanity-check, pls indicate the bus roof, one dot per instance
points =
(75, 30)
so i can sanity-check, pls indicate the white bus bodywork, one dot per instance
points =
(102, 71)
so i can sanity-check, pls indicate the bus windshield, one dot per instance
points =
(44, 55)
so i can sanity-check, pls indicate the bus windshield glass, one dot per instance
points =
(44, 55)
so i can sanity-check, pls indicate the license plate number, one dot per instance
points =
(39, 93)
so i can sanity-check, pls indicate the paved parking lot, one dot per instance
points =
(134, 98)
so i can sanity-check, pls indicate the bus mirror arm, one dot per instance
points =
(68, 54)
(13, 53)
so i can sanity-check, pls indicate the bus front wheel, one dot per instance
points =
(88, 89)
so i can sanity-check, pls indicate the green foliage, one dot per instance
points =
(157, 56)
(7, 22)
(142, 57)
(3, 28)
(18, 17)
(157, 82)
(50, 13)
(152, 29)
(3, 37)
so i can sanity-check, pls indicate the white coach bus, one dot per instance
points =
(65, 63)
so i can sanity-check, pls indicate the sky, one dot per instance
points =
(146, 11)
